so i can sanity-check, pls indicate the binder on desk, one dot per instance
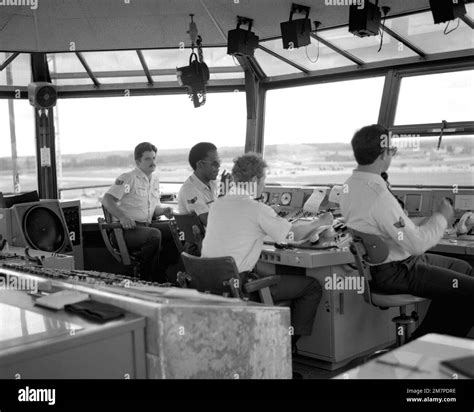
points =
(464, 367)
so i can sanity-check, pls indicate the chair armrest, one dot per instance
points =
(114, 225)
(258, 284)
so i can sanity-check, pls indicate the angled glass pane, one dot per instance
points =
(273, 66)
(166, 78)
(113, 60)
(432, 98)
(223, 76)
(71, 82)
(365, 48)
(19, 70)
(123, 79)
(312, 57)
(420, 30)
(218, 57)
(64, 63)
(166, 58)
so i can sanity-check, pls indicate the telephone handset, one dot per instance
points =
(465, 224)
(327, 236)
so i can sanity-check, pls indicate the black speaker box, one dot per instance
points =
(365, 22)
(241, 42)
(296, 33)
(446, 10)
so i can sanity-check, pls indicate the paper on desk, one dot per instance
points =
(59, 299)
(315, 200)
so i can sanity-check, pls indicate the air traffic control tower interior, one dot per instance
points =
(236, 189)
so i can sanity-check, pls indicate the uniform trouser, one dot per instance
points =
(305, 294)
(448, 282)
(149, 238)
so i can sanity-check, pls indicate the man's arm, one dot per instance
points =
(195, 202)
(110, 203)
(391, 220)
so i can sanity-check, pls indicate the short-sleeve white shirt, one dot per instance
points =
(196, 196)
(137, 196)
(237, 226)
(368, 206)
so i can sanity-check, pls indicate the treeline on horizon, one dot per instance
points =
(125, 159)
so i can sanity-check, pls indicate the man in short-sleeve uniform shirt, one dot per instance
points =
(199, 191)
(134, 200)
(237, 226)
(369, 207)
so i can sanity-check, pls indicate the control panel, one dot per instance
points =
(289, 201)
(423, 202)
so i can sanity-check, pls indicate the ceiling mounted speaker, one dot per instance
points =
(42, 95)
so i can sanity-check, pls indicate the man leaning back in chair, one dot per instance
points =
(134, 200)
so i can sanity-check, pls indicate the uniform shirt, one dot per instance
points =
(137, 196)
(237, 225)
(195, 196)
(368, 206)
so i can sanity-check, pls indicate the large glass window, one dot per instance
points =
(432, 98)
(97, 138)
(419, 161)
(17, 131)
(308, 129)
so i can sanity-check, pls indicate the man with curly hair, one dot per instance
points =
(237, 225)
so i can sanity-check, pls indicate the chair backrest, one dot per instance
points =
(112, 234)
(213, 275)
(192, 227)
(367, 249)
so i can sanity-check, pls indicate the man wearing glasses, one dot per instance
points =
(200, 190)
(369, 207)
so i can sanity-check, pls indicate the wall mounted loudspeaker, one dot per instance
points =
(38, 225)
(42, 95)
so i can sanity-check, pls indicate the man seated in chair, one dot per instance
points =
(369, 207)
(237, 225)
(134, 199)
(200, 190)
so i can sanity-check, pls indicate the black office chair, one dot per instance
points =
(371, 250)
(112, 234)
(188, 233)
(220, 276)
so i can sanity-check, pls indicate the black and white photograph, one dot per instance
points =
(236, 200)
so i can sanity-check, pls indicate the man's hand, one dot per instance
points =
(446, 209)
(127, 223)
(225, 180)
(168, 212)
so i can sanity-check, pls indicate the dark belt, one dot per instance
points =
(142, 224)
(394, 264)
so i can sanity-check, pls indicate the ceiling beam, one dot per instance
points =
(145, 66)
(8, 60)
(87, 68)
(139, 73)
